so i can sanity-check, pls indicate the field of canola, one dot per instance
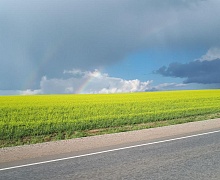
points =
(23, 116)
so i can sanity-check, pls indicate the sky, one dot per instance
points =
(108, 46)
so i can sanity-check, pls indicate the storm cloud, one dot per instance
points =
(45, 37)
(204, 72)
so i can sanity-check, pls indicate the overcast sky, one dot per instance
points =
(108, 46)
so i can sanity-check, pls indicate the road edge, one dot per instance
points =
(41, 150)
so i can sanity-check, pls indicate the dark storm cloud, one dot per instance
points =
(46, 37)
(204, 72)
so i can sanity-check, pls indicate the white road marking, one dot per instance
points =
(111, 150)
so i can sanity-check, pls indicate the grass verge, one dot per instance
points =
(84, 133)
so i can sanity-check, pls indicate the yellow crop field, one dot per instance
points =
(29, 116)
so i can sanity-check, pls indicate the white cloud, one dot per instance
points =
(212, 54)
(30, 92)
(20, 92)
(89, 82)
(166, 86)
(92, 82)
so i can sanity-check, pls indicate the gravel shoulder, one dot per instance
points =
(79, 145)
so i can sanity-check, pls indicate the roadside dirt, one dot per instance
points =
(11, 154)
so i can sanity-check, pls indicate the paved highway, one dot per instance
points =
(188, 157)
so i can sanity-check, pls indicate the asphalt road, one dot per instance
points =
(194, 157)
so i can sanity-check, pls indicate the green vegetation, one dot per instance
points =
(31, 119)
